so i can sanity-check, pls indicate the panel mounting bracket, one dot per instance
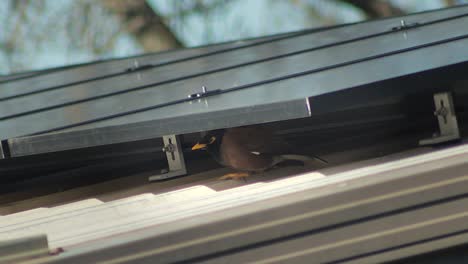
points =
(447, 119)
(2, 154)
(175, 159)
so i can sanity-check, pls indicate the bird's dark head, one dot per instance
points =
(210, 141)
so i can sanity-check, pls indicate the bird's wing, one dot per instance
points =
(259, 140)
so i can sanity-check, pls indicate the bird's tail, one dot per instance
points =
(303, 158)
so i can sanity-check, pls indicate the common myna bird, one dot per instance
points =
(249, 149)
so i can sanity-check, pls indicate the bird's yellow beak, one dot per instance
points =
(199, 146)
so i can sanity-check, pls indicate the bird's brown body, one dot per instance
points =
(250, 149)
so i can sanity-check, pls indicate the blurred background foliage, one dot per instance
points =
(37, 34)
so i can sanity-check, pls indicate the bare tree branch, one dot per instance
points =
(450, 2)
(376, 8)
(144, 24)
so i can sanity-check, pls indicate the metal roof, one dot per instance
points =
(373, 212)
(248, 83)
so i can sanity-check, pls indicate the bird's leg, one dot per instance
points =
(235, 176)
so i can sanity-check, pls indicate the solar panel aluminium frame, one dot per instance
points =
(242, 102)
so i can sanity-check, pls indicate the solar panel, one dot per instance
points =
(246, 83)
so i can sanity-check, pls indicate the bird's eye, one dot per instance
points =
(212, 139)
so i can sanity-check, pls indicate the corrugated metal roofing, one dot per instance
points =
(377, 211)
